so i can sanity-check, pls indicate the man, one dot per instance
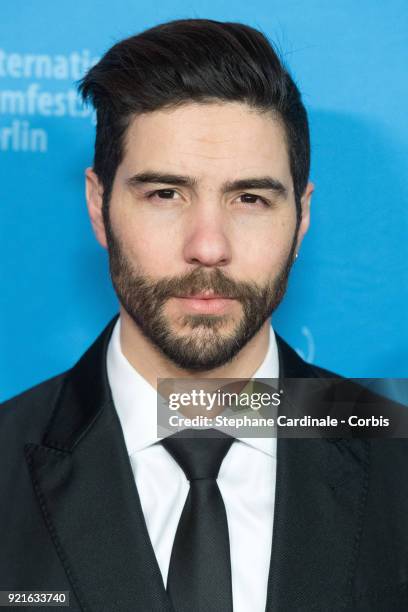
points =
(200, 192)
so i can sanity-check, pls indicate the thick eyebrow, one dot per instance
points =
(157, 177)
(265, 182)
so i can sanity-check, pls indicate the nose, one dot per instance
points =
(206, 242)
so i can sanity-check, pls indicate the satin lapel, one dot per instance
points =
(85, 486)
(321, 487)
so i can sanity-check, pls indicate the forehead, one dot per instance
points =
(207, 139)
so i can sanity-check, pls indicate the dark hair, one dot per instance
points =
(192, 60)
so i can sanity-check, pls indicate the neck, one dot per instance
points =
(152, 364)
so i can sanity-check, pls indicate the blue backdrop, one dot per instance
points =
(346, 307)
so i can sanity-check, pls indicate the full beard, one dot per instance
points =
(204, 347)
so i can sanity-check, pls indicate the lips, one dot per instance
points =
(205, 303)
(205, 296)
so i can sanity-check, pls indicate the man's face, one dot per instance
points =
(202, 204)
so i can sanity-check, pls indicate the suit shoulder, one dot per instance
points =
(292, 365)
(39, 392)
(31, 408)
(323, 373)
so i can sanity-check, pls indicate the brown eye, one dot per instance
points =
(164, 194)
(250, 198)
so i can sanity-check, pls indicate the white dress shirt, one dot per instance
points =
(246, 480)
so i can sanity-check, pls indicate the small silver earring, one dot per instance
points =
(296, 255)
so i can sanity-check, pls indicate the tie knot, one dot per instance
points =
(198, 452)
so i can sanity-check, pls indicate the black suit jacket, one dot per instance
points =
(71, 518)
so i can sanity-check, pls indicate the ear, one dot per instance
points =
(305, 201)
(94, 199)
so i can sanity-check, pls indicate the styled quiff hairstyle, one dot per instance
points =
(196, 60)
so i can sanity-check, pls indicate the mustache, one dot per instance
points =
(199, 280)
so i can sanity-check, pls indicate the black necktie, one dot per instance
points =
(199, 577)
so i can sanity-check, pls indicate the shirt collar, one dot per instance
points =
(136, 400)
